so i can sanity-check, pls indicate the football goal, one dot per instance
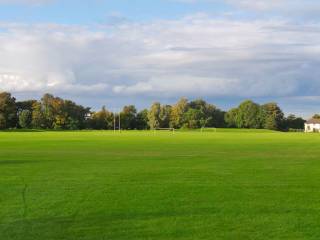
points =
(208, 129)
(164, 129)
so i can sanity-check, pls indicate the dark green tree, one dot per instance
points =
(25, 118)
(102, 120)
(142, 120)
(128, 117)
(231, 118)
(249, 115)
(194, 118)
(272, 116)
(293, 122)
(8, 111)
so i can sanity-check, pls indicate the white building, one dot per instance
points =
(313, 125)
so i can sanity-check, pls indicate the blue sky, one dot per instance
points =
(108, 52)
(100, 11)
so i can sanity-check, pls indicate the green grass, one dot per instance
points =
(145, 185)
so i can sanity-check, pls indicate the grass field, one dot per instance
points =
(144, 185)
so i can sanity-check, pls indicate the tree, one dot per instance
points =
(177, 113)
(193, 118)
(316, 116)
(48, 111)
(38, 118)
(25, 105)
(154, 119)
(25, 118)
(2, 121)
(102, 119)
(272, 116)
(249, 115)
(165, 114)
(75, 115)
(8, 111)
(142, 120)
(128, 117)
(231, 118)
(293, 122)
(211, 115)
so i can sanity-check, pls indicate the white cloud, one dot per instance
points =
(24, 1)
(193, 56)
(305, 9)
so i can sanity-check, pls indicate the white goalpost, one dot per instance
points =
(208, 129)
(115, 122)
(164, 129)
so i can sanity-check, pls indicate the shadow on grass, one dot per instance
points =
(16, 162)
(23, 130)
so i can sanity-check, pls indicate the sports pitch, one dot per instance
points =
(145, 185)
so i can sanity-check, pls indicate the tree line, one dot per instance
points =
(52, 112)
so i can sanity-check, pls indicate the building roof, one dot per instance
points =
(313, 121)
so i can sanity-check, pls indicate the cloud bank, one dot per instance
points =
(196, 56)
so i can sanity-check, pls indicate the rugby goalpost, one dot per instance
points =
(115, 121)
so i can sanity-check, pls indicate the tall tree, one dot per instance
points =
(211, 115)
(154, 119)
(8, 111)
(102, 119)
(128, 117)
(272, 116)
(165, 114)
(142, 120)
(194, 118)
(52, 108)
(25, 118)
(231, 118)
(316, 116)
(249, 115)
(25, 105)
(177, 113)
(293, 122)
(38, 118)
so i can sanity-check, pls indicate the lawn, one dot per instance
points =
(145, 185)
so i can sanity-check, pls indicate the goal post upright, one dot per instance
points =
(115, 121)
(119, 121)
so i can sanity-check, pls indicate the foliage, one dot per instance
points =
(102, 119)
(8, 111)
(56, 113)
(316, 116)
(154, 116)
(177, 113)
(142, 120)
(293, 122)
(272, 116)
(128, 117)
(25, 118)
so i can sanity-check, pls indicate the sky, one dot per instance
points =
(118, 52)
